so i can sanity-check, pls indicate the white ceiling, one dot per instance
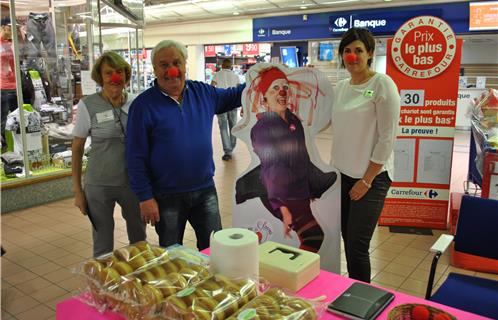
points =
(172, 11)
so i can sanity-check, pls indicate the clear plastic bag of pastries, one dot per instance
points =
(136, 279)
(215, 298)
(143, 292)
(275, 304)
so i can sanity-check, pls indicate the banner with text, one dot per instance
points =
(424, 61)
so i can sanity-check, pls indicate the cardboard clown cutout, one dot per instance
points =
(288, 194)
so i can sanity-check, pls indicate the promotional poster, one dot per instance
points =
(288, 194)
(424, 62)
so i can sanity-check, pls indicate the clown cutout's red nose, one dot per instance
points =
(282, 93)
(173, 72)
(116, 77)
(351, 57)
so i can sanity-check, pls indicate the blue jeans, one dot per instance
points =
(358, 221)
(199, 208)
(227, 121)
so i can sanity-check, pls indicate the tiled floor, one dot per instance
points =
(45, 243)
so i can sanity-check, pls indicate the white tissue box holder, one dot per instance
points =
(286, 266)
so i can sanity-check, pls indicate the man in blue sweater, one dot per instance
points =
(169, 151)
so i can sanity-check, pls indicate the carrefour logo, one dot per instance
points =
(261, 32)
(431, 194)
(340, 22)
(418, 193)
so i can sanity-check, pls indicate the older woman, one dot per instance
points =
(364, 124)
(103, 116)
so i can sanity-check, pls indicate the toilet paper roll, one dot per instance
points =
(234, 253)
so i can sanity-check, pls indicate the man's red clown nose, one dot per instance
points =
(116, 77)
(351, 57)
(282, 93)
(173, 72)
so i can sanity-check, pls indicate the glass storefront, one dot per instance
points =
(47, 57)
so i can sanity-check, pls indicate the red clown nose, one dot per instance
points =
(116, 77)
(351, 57)
(282, 93)
(173, 72)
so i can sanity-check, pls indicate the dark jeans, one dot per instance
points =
(358, 221)
(199, 208)
(8, 104)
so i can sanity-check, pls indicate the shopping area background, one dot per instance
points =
(35, 272)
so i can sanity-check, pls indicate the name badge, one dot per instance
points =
(368, 93)
(105, 116)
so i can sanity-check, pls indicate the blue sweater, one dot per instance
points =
(168, 145)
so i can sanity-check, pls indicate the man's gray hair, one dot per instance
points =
(167, 44)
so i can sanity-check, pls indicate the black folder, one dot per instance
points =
(361, 301)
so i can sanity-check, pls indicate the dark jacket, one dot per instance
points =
(286, 171)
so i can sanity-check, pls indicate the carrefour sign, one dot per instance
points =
(377, 24)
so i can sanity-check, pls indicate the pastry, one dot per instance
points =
(108, 277)
(146, 276)
(126, 253)
(203, 272)
(177, 280)
(169, 267)
(143, 246)
(138, 261)
(92, 268)
(122, 268)
(153, 294)
(158, 272)
(166, 287)
(205, 303)
(180, 263)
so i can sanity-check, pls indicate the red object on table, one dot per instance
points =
(329, 284)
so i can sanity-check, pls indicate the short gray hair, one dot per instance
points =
(168, 44)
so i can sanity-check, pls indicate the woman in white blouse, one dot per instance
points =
(364, 123)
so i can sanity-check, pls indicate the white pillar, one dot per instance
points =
(195, 63)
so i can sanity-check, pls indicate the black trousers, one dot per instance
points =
(358, 221)
(8, 104)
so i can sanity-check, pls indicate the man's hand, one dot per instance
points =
(80, 202)
(149, 211)
(287, 220)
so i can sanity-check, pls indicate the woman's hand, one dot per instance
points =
(287, 221)
(80, 202)
(358, 190)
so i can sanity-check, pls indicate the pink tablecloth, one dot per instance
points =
(328, 284)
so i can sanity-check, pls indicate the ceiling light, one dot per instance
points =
(339, 1)
(303, 7)
(388, 0)
(236, 13)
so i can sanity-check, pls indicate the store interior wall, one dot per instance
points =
(225, 31)
(479, 53)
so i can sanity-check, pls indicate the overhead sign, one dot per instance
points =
(386, 23)
(483, 15)
(423, 54)
(382, 21)
(209, 51)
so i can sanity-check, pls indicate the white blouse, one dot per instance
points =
(364, 125)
